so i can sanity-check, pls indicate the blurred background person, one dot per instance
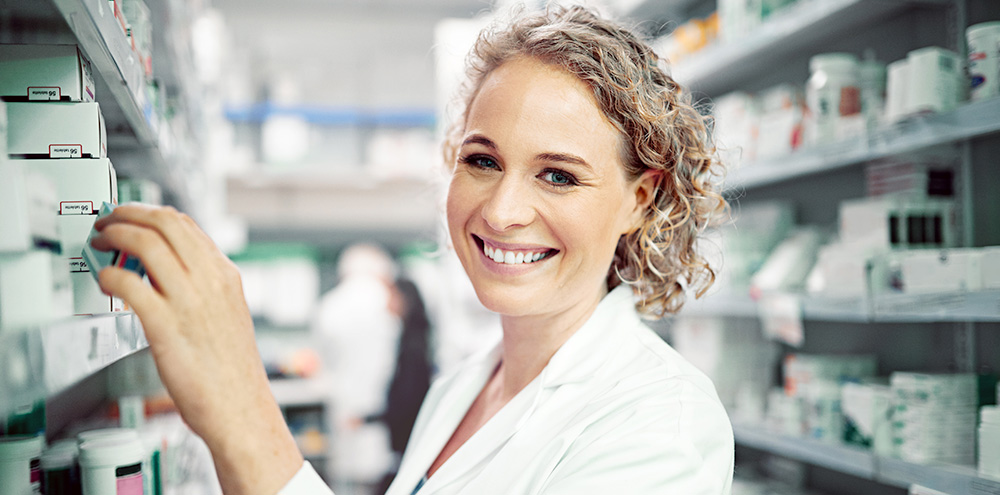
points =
(359, 334)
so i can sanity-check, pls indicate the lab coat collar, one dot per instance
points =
(583, 354)
(577, 360)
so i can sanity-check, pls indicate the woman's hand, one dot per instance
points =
(201, 335)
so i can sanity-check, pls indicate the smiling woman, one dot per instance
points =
(581, 179)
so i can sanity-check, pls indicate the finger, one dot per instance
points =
(126, 285)
(151, 248)
(192, 246)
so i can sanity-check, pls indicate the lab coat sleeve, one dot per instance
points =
(682, 447)
(306, 482)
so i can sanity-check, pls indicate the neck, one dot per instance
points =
(529, 342)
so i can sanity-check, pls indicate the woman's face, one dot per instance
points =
(539, 199)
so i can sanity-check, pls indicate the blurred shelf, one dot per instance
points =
(335, 115)
(889, 308)
(799, 28)
(292, 392)
(851, 460)
(665, 13)
(301, 203)
(954, 480)
(966, 122)
(37, 363)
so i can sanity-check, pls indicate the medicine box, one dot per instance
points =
(55, 130)
(87, 296)
(930, 271)
(98, 260)
(899, 222)
(27, 201)
(30, 290)
(82, 185)
(45, 73)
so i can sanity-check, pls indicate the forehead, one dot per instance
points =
(533, 104)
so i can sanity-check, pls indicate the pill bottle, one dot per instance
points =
(20, 465)
(935, 80)
(122, 434)
(60, 469)
(984, 60)
(832, 94)
(112, 466)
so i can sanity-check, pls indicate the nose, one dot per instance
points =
(509, 204)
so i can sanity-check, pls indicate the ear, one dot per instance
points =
(644, 190)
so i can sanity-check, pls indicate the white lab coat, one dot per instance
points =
(616, 410)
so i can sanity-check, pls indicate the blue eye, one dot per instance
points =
(559, 178)
(480, 161)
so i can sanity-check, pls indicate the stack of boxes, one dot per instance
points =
(934, 417)
(56, 130)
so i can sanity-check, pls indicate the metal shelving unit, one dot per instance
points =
(954, 480)
(724, 66)
(969, 121)
(40, 362)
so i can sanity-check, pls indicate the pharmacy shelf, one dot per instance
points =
(799, 28)
(924, 131)
(954, 480)
(982, 306)
(327, 203)
(38, 363)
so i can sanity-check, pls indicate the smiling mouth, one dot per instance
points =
(513, 257)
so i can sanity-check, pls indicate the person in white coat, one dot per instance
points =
(582, 178)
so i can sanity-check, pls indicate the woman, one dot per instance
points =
(581, 179)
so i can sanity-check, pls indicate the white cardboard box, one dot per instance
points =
(82, 185)
(28, 201)
(87, 296)
(55, 130)
(28, 295)
(929, 271)
(45, 73)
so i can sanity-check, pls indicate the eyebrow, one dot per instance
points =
(546, 156)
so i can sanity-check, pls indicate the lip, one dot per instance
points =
(503, 268)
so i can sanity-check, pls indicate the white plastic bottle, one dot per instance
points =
(984, 60)
(833, 96)
(20, 465)
(112, 466)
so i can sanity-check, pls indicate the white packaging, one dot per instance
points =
(989, 268)
(935, 271)
(112, 465)
(45, 73)
(824, 419)
(936, 80)
(899, 222)
(984, 60)
(28, 290)
(3, 131)
(737, 117)
(867, 408)
(897, 91)
(82, 185)
(840, 271)
(872, 82)
(787, 267)
(833, 96)
(55, 130)
(28, 202)
(20, 465)
(781, 119)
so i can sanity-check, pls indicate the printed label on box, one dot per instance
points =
(65, 150)
(76, 208)
(78, 265)
(44, 93)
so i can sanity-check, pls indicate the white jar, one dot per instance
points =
(984, 60)
(833, 95)
(20, 465)
(935, 77)
(112, 466)
(121, 434)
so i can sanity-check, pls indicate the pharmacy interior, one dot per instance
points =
(853, 333)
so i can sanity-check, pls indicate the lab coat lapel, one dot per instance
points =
(429, 437)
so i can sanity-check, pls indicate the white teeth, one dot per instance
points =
(510, 257)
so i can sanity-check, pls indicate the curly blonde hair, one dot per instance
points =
(660, 128)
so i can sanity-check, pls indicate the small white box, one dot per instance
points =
(45, 73)
(28, 201)
(989, 266)
(27, 295)
(936, 271)
(73, 232)
(936, 79)
(87, 296)
(82, 185)
(55, 130)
